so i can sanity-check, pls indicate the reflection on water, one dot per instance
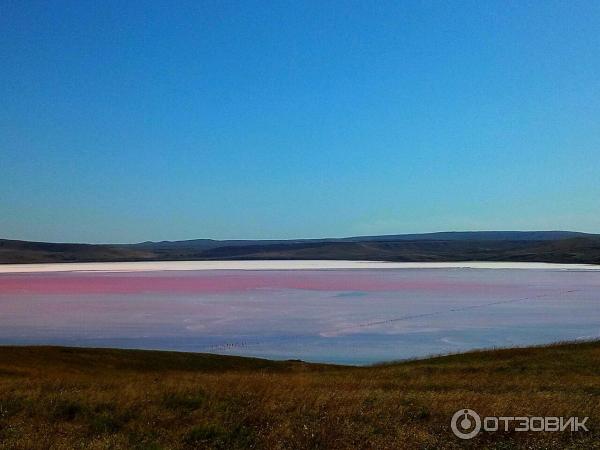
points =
(346, 316)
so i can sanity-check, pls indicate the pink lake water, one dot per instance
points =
(355, 316)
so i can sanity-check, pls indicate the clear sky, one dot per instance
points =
(126, 121)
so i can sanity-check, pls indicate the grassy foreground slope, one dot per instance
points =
(65, 398)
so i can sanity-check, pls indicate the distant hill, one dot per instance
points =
(476, 236)
(545, 246)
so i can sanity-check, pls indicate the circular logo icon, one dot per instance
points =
(465, 423)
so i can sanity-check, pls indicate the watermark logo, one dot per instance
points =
(466, 424)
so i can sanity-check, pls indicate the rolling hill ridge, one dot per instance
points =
(542, 246)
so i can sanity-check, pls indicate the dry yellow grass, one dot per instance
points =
(64, 398)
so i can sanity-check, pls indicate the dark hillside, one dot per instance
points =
(559, 247)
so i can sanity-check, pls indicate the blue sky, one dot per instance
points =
(131, 121)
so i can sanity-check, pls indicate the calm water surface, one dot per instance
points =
(355, 316)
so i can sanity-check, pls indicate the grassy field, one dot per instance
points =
(67, 398)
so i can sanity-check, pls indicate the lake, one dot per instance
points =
(325, 311)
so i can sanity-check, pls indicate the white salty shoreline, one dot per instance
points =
(151, 266)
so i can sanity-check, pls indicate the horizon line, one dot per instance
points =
(366, 236)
